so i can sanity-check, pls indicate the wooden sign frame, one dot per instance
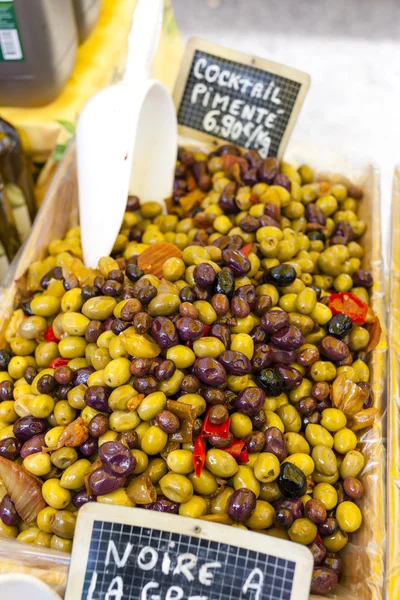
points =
(241, 58)
(196, 528)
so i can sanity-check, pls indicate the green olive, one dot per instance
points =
(64, 458)
(290, 417)
(151, 405)
(344, 441)
(154, 440)
(303, 531)
(302, 461)
(205, 483)
(352, 464)
(245, 478)
(266, 467)
(124, 420)
(333, 419)
(221, 463)
(55, 495)
(219, 503)
(63, 524)
(99, 308)
(45, 305)
(270, 491)
(262, 516)
(208, 346)
(180, 461)
(195, 507)
(177, 488)
(327, 494)
(325, 460)
(117, 372)
(336, 542)
(317, 435)
(73, 476)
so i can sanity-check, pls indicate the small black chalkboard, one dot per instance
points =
(133, 554)
(247, 101)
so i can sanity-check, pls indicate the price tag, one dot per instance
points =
(247, 101)
(135, 554)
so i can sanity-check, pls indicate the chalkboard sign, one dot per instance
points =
(133, 554)
(247, 101)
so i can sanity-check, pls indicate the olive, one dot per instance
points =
(204, 275)
(288, 338)
(237, 262)
(8, 512)
(27, 427)
(275, 443)
(164, 332)
(5, 357)
(187, 294)
(241, 505)
(189, 329)
(328, 527)
(362, 278)
(162, 504)
(334, 349)
(235, 362)
(6, 390)
(130, 438)
(323, 580)
(227, 199)
(96, 396)
(262, 357)
(339, 326)
(282, 275)
(318, 551)
(224, 283)
(133, 272)
(268, 170)
(168, 421)
(218, 414)
(271, 382)
(291, 481)
(10, 448)
(295, 506)
(333, 561)
(291, 377)
(283, 518)
(250, 400)
(209, 371)
(255, 442)
(274, 320)
(316, 511)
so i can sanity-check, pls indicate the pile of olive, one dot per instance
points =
(228, 389)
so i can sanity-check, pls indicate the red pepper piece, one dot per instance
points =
(58, 362)
(236, 448)
(199, 455)
(208, 429)
(246, 249)
(244, 456)
(254, 199)
(49, 335)
(207, 329)
(348, 304)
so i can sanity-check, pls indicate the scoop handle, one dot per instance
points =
(143, 39)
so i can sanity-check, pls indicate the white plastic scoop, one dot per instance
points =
(126, 141)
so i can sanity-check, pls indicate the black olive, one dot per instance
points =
(5, 357)
(339, 325)
(291, 481)
(134, 273)
(224, 283)
(187, 294)
(281, 275)
(316, 234)
(317, 290)
(271, 382)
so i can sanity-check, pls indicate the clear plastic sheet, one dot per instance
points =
(364, 559)
(393, 469)
(49, 566)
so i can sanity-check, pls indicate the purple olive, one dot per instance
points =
(286, 357)
(275, 443)
(292, 378)
(145, 385)
(268, 170)
(89, 447)
(204, 275)
(8, 513)
(333, 349)
(328, 527)
(315, 215)
(240, 307)
(323, 580)
(335, 562)
(33, 446)
(101, 482)
(165, 370)
(248, 293)
(209, 371)
(10, 448)
(164, 332)
(234, 362)
(162, 504)
(222, 333)
(283, 518)
(81, 498)
(295, 505)
(236, 261)
(98, 426)
(189, 329)
(288, 338)
(284, 181)
(274, 320)
(116, 458)
(362, 278)
(262, 357)
(258, 335)
(6, 390)
(96, 396)
(250, 400)
(82, 375)
(316, 511)
(259, 420)
(241, 505)
(227, 199)
(27, 427)
(318, 551)
(255, 442)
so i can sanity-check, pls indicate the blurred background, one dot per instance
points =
(351, 49)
